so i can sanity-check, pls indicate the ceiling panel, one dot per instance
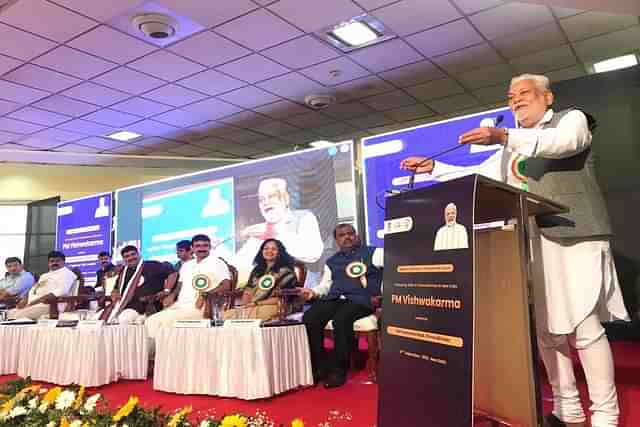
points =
(67, 23)
(487, 76)
(155, 128)
(42, 144)
(270, 30)
(389, 100)
(166, 65)
(312, 15)
(540, 62)
(373, 4)
(413, 74)
(127, 80)
(249, 97)
(40, 117)
(74, 63)
(8, 106)
(100, 143)
(496, 93)
(410, 16)
(22, 45)
(544, 37)
(253, 68)
(566, 73)
(6, 137)
(174, 95)
(19, 93)
(18, 126)
(348, 110)
(377, 58)
(212, 109)
(590, 24)
(608, 45)
(335, 71)
(453, 103)
(468, 59)
(141, 107)
(7, 64)
(93, 93)
(99, 10)
(59, 135)
(445, 38)
(65, 105)
(360, 88)
(410, 112)
(293, 86)
(225, 50)
(41, 78)
(112, 118)
(211, 82)
(511, 18)
(471, 6)
(282, 109)
(179, 118)
(435, 89)
(301, 52)
(113, 45)
(210, 13)
(87, 128)
(310, 120)
(75, 148)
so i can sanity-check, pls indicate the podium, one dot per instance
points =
(458, 332)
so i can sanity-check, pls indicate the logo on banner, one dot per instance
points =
(398, 225)
(266, 282)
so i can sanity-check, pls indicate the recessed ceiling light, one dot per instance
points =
(356, 33)
(321, 144)
(124, 136)
(616, 63)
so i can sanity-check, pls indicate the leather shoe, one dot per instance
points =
(553, 421)
(335, 381)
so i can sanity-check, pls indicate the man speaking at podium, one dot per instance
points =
(576, 285)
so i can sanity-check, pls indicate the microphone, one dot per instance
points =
(486, 122)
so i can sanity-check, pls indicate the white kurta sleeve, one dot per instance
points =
(305, 244)
(377, 259)
(325, 283)
(489, 168)
(569, 138)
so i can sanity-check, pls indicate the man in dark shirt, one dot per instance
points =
(349, 290)
(137, 282)
(104, 258)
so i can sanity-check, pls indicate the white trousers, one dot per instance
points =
(593, 348)
(126, 317)
(166, 317)
(33, 312)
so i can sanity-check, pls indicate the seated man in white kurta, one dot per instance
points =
(451, 235)
(58, 282)
(186, 307)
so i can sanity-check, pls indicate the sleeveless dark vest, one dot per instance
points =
(572, 182)
(352, 288)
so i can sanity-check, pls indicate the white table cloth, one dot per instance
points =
(89, 357)
(10, 338)
(247, 363)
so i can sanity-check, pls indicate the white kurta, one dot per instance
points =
(571, 278)
(451, 236)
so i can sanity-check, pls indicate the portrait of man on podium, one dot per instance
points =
(451, 235)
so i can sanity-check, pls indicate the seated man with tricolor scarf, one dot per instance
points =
(349, 290)
(137, 284)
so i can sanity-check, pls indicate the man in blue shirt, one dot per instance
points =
(16, 282)
(349, 290)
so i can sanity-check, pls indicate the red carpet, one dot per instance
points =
(355, 404)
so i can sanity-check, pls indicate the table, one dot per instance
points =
(89, 357)
(10, 339)
(242, 362)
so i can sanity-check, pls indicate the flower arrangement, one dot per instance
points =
(23, 404)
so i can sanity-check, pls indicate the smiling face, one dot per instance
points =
(273, 201)
(270, 252)
(528, 102)
(131, 258)
(201, 248)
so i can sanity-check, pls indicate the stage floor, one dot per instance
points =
(356, 403)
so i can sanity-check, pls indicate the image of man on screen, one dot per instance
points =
(298, 230)
(451, 235)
